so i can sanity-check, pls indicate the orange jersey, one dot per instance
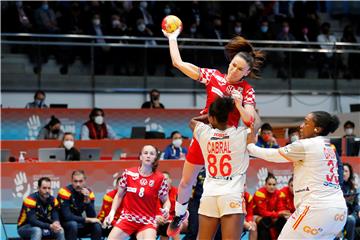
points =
(249, 207)
(268, 204)
(288, 198)
(106, 207)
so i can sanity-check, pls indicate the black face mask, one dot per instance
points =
(55, 131)
(155, 98)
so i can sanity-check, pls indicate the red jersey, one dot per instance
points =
(142, 195)
(267, 204)
(249, 207)
(288, 198)
(106, 207)
(217, 86)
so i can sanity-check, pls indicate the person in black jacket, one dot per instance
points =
(39, 215)
(71, 153)
(75, 199)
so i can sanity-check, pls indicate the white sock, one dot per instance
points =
(180, 209)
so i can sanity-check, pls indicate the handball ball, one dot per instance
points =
(171, 23)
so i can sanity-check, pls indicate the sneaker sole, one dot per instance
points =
(173, 232)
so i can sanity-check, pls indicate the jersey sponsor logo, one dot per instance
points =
(143, 182)
(131, 189)
(302, 190)
(216, 147)
(235, 205)
(340, 217)
(330, 184)
(312, 231)
(231, 88)
(151, 183)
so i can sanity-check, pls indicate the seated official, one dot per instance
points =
(68, 142)
(175, 150)
(75, 199)
(96, 128)
(52, 130)
(39, 214)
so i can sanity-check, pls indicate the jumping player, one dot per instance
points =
(226, 163)
(140, 189)
(245, 62)
(320, 206)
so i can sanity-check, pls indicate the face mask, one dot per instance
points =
(264, 29)
(143, 4)
(96, 22)
(237, 30)
(45, 7)
(55, 131)
(177, 142)
(99, 120)
(141, 27)
(68, 144)
(167, 11)
(266, 137)
(116, 23)
(193, 30)
(349, 131)
(305, 31)
(294, 138)
(286, 29)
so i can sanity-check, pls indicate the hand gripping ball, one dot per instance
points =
(171, 23)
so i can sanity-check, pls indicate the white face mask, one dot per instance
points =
(141, 27)
(349, 131)
(177, 142)
(68, 144)
(294, 138)
(116, 23)
(99, 120)
(237, 30)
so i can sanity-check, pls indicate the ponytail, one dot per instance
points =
(239, 46)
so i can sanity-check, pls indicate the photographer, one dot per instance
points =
(154, 100)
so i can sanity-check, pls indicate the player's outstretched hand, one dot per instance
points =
(173, 35)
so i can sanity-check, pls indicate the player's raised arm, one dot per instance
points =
(188, 69)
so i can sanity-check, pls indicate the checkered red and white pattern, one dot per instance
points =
(142, 194)
(138, 219)
(217, 86)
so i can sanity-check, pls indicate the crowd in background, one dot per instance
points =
(258, 20)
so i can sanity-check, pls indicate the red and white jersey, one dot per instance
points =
(217, 86)
(142, 195)
(226, 159)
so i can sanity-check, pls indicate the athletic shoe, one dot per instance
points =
(175, 225)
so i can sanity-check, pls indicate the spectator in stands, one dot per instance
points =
(71, 153)
(174, 150)
(351, 68)
(106, 207)
(39, 215)
(264, 31)
(249, 223)
(283, 58)
(96, 128)
(266, 138)
(154, 100)
(349, 128)
(193, 207)
(293, 135)
(287, 195)
(270, 211)
(45, 19)
(52, 130)
(75, 199)
(327, 60)
(161, 221)
(39, 100)
(352, 202)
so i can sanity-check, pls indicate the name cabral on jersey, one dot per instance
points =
(219, 147)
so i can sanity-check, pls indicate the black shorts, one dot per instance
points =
(161, 229)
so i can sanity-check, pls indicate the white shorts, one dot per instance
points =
(314, 223)
(218, 206)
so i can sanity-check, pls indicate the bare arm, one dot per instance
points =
(188, 69)
(196, 120)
